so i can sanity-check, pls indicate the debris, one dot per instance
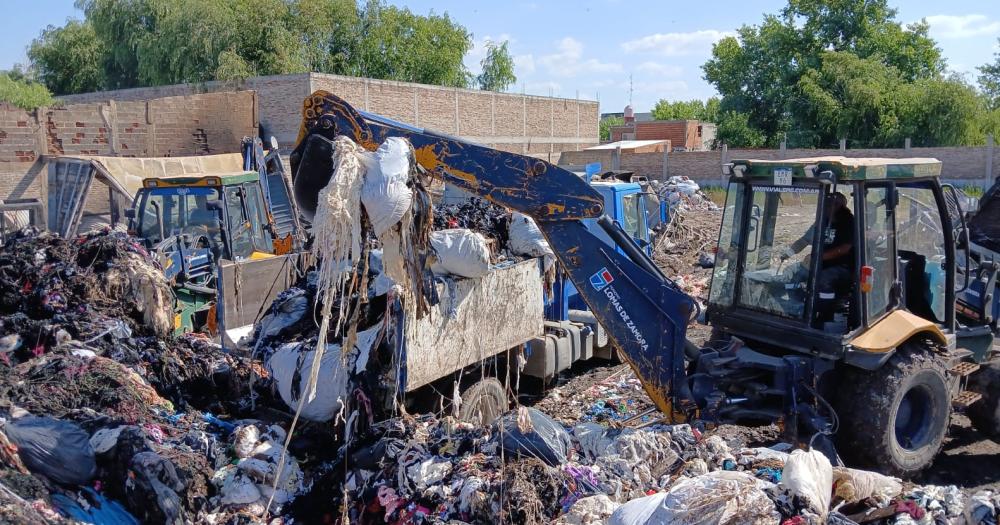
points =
(809, 476)
(58, 450)
(531, 433)
(460, 252)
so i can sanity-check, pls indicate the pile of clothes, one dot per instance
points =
(528, 468)
(107, 418)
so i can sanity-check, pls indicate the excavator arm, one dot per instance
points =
(645, 313)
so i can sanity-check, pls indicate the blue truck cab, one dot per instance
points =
(572, 331)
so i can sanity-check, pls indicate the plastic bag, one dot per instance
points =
(594, 439)
(530, 432)
(527, 239)
(721, 497)
(385, 194)
(592, 510)
(854, 485)
(60, 450)
(809, 475)
(291, 364)
(460, 252)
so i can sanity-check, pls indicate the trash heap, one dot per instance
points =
(527, 468)
(105, 417)
(682, 195)
(683, 247)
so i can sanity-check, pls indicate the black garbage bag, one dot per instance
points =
(59, 450)
(543, 437)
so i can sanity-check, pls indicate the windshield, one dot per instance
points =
(177, 211)
(778, 248)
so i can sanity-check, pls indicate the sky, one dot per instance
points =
(614, 51)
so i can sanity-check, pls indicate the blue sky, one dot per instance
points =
(590, 48)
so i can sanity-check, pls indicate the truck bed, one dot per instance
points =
(476, 319)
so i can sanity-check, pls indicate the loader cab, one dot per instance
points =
(881, 245)
(224, 214)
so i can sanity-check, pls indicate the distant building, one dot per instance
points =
(684, 135)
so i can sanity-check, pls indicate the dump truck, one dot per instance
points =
(876, 366)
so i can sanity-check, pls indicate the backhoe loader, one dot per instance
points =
(873, 360)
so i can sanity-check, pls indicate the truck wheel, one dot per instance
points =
(895, 418)
(484, 402)
(985, 413)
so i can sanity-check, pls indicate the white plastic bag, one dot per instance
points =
(592, 510)
(460, 252)
(809, 475)
(720, 497)
(527, 239)
(384, 194)
(296, 359)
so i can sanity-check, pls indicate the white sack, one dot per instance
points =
(527, 239)
(855, 485)
(460, 252)
(809, 475)
(384, 194)
(720, 497)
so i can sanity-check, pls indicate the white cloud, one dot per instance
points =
(655, 68)
(568, 60)
(676, 44)
(962, 26)
(546, 88)
(669, 89)
(524, 64)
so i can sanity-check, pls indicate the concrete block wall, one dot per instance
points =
(541, 126)
(172, 126)
(963, 165)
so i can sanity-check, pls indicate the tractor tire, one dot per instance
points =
(895, 418)
(484, 402)
(985, 413)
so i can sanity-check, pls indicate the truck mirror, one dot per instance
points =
(129, 213)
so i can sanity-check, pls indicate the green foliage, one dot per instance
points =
(989, 81)
(498, 68)
(16, 90)
(605, 125)
(69, 58)
(130, 43)
(393, 43)
(707, 111)
(822, 70)
(735, 130)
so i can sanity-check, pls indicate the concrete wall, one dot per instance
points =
(541, 126)
(172, 126)
(965, 165)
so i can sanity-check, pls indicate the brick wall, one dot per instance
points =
(501, 120)
(964, 165)
(172, 126)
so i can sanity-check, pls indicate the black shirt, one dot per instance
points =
(838, 232)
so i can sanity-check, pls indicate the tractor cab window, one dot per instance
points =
(923, 258)
(632, 216)
(180, 211)
(727, 252)
(258, 220)
(879, 238)
(240, 231)
(778, 248)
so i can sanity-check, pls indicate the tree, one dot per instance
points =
(707, 111)
(131, 43)
(69, 59)
(989, 81)
(395, 44)
(606, 124)
(771, 72)
(498, 68)
(735, 130)
(16, 90)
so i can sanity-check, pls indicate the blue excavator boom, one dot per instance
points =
(645, 313)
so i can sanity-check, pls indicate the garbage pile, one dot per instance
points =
(105, 417)
(528, 468)
(683, 246)
(682, 195)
